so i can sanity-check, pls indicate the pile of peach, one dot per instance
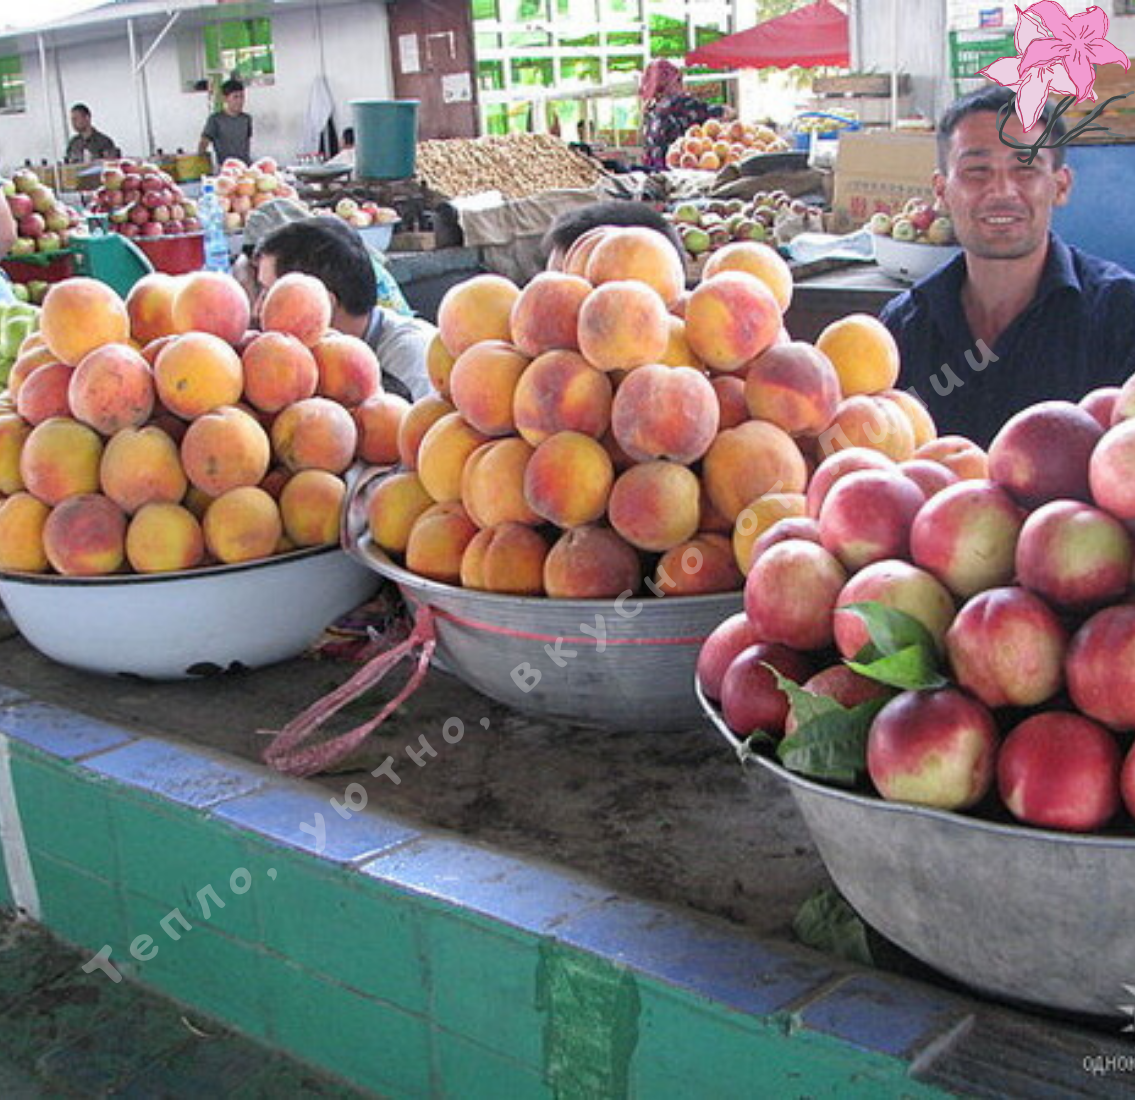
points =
(1017, 564)
(715, 143)
(159, 433)
(603, 425)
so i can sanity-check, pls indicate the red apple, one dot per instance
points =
(138, 214)
(1100, 667)
(790, 594)
(718, 650)
(32, 225)
(42, 198)
(113, 178)
(20, 205)
(1060, 771)
(750, 698)
(150, 229)
(867, 517)
(48, 242)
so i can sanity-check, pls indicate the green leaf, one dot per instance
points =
(826, 922)
(901, 653)
(912, 669)
(890, 629)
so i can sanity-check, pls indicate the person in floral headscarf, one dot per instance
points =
(668, 110)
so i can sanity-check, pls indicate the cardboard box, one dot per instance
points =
(1119, 117)
(880, 170)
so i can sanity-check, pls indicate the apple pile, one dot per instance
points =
(143, 201)
(715, 143)
(241, 188)
(917, 222)
(709, 226)
(43, 223)
(159, 434)
(361, 215)
(961, 630)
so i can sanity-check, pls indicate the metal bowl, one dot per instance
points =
(175, 626)
(911, 260)
(1024, 914)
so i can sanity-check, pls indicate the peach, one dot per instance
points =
(863, 352)
(164, 537)
(546, 315)
(578, 255)
(152, 350)
(655, 505)
(492, 484)
(751, 699)
(560, 391)
(141, 466)
(279, 369)
(442, 455)
(242, 525)
(1111, 470)
(678, 352)
(966, 535)
(933, 748)
(732, 406)
(838, 465)
(623, 325)
(1098, 667)
(310, 504)
(211, 302)
(665, 412)
(112, 388)
(196, 373)
(25, 364)
(14, 431)
(791, 592)
(348, 369)
(85, 536)
(379, 420)
(756, 518)
(1122, 407)
(930, 477)
(958, 454)
(439, 365)
(867, 517)
(638, 253)
(417, 420)
(568, 479)
(921, 422)
(315, 434)
(393, 509)
(895, 584)
(1060, 771)
(483, 383)
(474, 310)
(507, 558)
(745, 462)
(225, 449)
(756, 259)
(1101, 404)
(81, 314)
(1006, 646)
(149, 305)
(794, 527)
(198, 502)
(1074, 555)
(60, 459)
(591, 563)
(697, 567)
(872, 422)
(731, 319)
(44, 393)
(718, 650)
(619, 458)
(438, 540)
(842, 685)
(22, 517)
(1042, 453)
(298, 305)
(272, 482)
(795, 386)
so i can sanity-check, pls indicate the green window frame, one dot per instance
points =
(13, 93)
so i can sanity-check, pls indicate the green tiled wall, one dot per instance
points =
(79, 907)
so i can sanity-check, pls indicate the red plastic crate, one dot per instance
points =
(53, 271)
(174, 255)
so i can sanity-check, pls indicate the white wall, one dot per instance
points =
(920, 49)
(355, 61)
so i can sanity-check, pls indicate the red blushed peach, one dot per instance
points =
(749, 461)
(702, 565)
(791, 592)
(152, 350)
(966, 535)
(795, 386)
(750, 697)
(315, 434)
(1060, 771)
(733, 409)
(568, 479)
(665, 412)
(45, 393)
(442, 455)
(847, 688)
(162, 538)
(492, 484)
(754, 520)
(1111, 469)
(393, 508)
(379, 420)
(279, 369)
(899, 585)
(921, 422)
(508, 558)
(80, 314)
(793, 527)
(1074, 555)
(933, 748)
(419, 418)
(1101, 404)
(930, 477)
(21, 533)
(60, 459)
(591, 563)
(641, 254)
(756, 259)
(731, 319)
(655, 505)
(242, 525)
(959, 454)
(225, 449)
(211, 302)
(476, 309)
(483, 383)
(623, 325)
(437, 542)
(14, 431)
(149, 304)
(561, 392)
(85, 536)
(198, 372)
(298, 305)
(867, 517)
(678, 352)
(575, 260)
(718, 650)
(1123, 406)
(870, 421)
(546, 315)
(112, 388)
(1042, 453)
(1101, 657)
(142, 466)
(25, 364)
(1006, 646)
(439, 365)
(310, 504)
(838, 465)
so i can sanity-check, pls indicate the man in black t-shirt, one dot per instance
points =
(88, 143)
(229, 131)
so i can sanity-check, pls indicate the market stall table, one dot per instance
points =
(826, 291)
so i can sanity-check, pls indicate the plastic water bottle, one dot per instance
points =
(212, 220)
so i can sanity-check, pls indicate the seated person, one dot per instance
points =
(569, 227)
(346, 154)
(334, 253)
(1019, 317)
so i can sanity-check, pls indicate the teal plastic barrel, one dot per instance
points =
(386, 138)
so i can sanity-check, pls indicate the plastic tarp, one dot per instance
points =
(813, 35)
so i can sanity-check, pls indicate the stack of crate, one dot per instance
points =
(867, 95)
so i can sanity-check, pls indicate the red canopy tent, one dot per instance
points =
(810, 36)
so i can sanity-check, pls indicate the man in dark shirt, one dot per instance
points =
(1019, 316)
(88, 143)
(229, 130)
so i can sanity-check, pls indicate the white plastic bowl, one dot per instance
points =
(911, 260)
(177, 626)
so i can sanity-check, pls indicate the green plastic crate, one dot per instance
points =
(971, 51)
(112, 259)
